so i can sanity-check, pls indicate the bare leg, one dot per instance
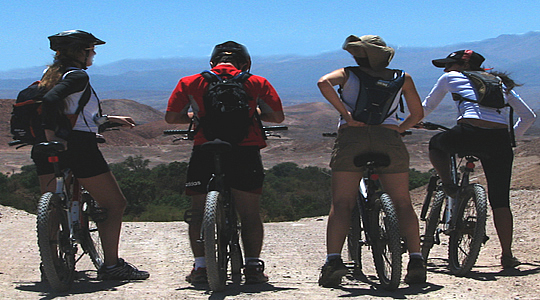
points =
(344, 194)
(105, 190)
(248, 208)
(397, 186)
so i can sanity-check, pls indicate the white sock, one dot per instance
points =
(200, 262)
(416, 255)
(332, 256)
(255, 259)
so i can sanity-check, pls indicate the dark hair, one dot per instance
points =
(508, 82)
(362, 61)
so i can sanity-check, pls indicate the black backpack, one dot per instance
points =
(488, 89)
(375, 97)
(26, 124)
(489, 92)
(227, 108)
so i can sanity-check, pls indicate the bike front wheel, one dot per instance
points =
(432, 223)
(56, 248)
(215, 245)
(386, 242)
(469, 232)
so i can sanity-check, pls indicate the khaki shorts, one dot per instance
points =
(352, 141)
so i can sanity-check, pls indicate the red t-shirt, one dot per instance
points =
(190, 90)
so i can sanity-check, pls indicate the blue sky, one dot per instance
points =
(158, 29)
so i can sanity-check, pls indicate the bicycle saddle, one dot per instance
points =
(372, 159)
(49, 147)
(216, 146)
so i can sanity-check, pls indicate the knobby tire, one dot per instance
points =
(353, 240)
(89, 234)
(432, 223)
(235, 250)
(386, 242)
(55, 247)
(214, 247)
(469, 233)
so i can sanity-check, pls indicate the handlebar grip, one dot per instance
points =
(275, 128)
(176, 131)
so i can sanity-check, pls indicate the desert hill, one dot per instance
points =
(302, 143)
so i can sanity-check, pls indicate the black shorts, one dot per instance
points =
(242, 167)
(83, 157)
(494, 149)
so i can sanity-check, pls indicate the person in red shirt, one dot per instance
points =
(243, 166)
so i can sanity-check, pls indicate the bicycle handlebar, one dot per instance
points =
(334, 134)
(187, 131)
(433, 126)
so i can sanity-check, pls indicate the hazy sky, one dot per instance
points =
(180, 28)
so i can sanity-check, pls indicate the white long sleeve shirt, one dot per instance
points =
(456, 82)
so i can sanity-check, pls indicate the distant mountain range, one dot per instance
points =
(150, 81)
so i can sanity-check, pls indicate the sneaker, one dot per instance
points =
(416, 271)
(450, 189)
(509, 262)
(122, 271)
(197, 276)
(331, 273)
(254, 272)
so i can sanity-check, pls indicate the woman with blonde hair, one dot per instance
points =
(69, 93)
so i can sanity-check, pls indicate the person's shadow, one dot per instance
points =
(236, 289)
(84, 283)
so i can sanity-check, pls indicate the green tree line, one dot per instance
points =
(290, 192)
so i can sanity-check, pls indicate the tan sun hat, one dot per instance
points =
(371, 46)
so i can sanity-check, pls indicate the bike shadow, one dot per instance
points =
(486, 272)
(354, 289)
(85, 283)
(236, 289)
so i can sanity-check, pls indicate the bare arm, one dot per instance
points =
(178, 118)
(414, 104)
(326, 86)
(273, 117)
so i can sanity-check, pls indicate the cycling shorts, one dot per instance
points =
(83, 157)
(353, 141)
(242, 167)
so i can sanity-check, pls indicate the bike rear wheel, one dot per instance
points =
(235, 251)
(386, 241)
(353, 241)
(432, 223)
(215, 245)
(470, 229)
(89, 234)
(55, 246)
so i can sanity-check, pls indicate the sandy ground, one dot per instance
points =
(293, 251)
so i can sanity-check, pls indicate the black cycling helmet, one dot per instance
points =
(67, 38)
(238, 51)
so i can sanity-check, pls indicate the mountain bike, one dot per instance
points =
(220, 231)
(374, 225)
(65, 219)
(463, 218)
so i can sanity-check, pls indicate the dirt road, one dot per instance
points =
(293, 251)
